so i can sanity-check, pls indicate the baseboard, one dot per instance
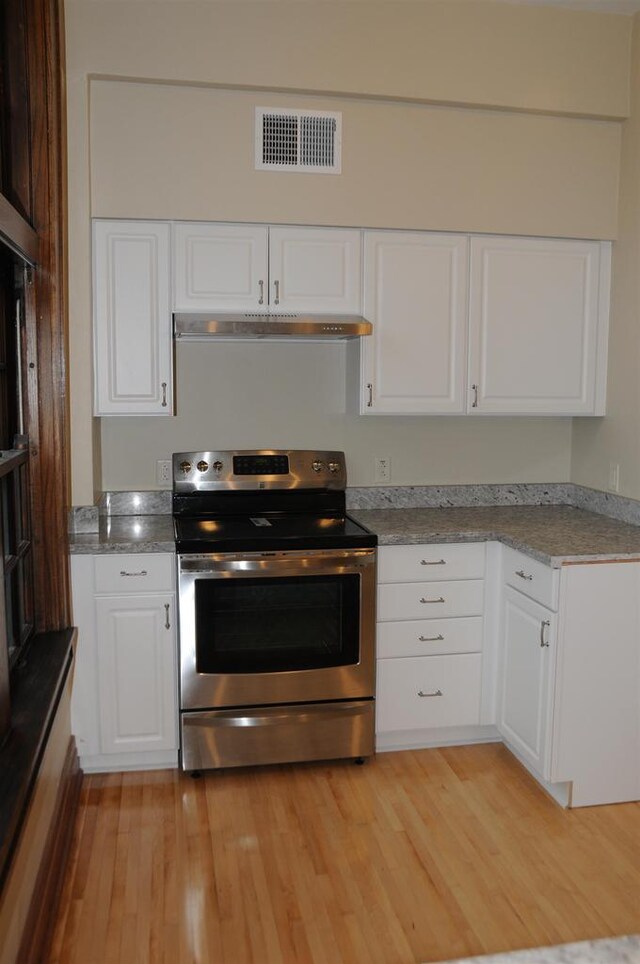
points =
(48, 887)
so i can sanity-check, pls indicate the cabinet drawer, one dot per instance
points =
(134, 572)
(430, 600)
(426, 563)
(531, 577)
(451, 688)
(429, 637)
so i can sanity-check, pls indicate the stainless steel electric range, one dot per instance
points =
(276, 610)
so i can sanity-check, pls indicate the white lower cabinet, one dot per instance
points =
(569, 679)
(430, 643)
(428, 691)
(124, 699)
(528, 650)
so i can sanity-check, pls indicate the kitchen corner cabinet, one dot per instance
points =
(538, 326)
(569, 676)
(415, 295)
(133, 358)
(484, 325)
(256, 268)
(124, 698)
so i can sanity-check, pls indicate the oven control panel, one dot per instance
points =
(258, 469)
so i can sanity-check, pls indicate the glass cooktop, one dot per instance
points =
(270, 531)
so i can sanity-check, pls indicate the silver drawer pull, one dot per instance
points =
(143, 572)
(523, 574)
(431, 639)
(436, 693)
(438, 600)
(434, 562)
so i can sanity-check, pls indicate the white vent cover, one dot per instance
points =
(306, 141)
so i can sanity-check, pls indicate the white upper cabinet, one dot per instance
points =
(220, 265)
(132, 318)
(538, 324)
(536, 311)
(415, 295)
(315, 269)
(256, 268)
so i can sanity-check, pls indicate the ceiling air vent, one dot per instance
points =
(306, 141)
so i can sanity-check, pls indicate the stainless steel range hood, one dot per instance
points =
(237, 325)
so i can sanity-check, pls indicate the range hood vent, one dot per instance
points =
(237, 325)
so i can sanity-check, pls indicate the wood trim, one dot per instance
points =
(17, 233)
(48, 888)
(46, 330)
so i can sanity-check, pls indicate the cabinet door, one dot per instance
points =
(528, 651)
(538, 320)
(132, 318)
(315, 269)
(415, 295)
(136, 673)
(220, 266)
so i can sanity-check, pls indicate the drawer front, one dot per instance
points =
(430, 600)
(134, 572)
(531, 577)
(426, 563)
(450, 686)
(429, 637)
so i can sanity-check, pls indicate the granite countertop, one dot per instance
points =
(616, 950)
(554, 534)
(126, 533)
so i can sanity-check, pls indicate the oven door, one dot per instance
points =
(276, 627)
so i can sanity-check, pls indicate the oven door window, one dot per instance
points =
(277, 624)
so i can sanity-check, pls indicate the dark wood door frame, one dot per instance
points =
(43, 242)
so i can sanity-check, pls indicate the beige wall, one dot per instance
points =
(616, 438)
(154, 150)
(293, 395)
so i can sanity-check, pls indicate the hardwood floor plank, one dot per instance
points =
(418, 856)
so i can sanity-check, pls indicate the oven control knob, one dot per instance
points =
(316, 466)
(202, 466)
(217, 466)
(186, 467)
(334, 467)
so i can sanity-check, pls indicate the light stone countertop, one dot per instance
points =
(126, 533)
(553, 534)
(616, 950)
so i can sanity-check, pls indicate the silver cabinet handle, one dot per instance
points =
(431, 639)
(164, 394)
(544, 622)
(141, 572)
(474, 403)
(276, 285)
(435, 693)
(261, 298)
(370, 387)
(440, 599)
(167, 624)
(524, 575)
(433, 562)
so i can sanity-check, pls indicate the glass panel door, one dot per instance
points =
(276, 624)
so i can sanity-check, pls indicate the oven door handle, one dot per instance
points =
(270, 566)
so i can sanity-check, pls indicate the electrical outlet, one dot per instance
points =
(614, 476)
(163, 473)
(382, 470)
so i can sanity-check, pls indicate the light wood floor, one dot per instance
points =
(416, 856)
